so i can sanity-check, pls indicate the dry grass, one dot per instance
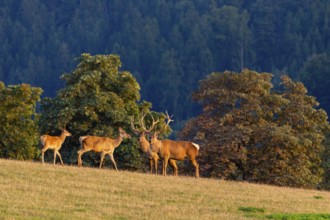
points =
(29, 190)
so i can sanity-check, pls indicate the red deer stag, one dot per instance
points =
(145, 145)
(53, 142)
(101, 144)
(175, 150)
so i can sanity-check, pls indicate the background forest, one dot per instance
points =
(166, 52)
(167, 45)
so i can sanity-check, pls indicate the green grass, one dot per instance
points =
(29, 190)
(258, 213)
(299, 216)
(251, 209)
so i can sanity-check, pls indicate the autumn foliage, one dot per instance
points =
(250, 131)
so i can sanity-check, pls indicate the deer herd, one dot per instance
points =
(168, 151)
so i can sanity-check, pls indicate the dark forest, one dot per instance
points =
(167, 45)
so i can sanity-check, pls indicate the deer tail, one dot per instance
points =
(81, 139)
(196, 145)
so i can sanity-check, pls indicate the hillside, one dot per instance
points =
(30, 190)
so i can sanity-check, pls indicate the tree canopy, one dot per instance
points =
(96, 100)
(18, 118)
(251, 132)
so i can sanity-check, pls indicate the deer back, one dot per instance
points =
(51, 141)
(98, 144)
(54, 141)
(179, 149)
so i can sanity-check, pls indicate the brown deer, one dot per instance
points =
(145, 145)
(54, 143)
(175, 150)
(101, 144)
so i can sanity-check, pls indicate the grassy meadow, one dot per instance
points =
(30, 190)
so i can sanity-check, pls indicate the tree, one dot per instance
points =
(18, 119)
(315, 75)
(97, 99)
(263, 28)
(250, 132)
(326, 164)
(231, 37)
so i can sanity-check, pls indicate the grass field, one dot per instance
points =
(29, 190)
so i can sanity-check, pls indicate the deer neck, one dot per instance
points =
(144, 144)
(62, 137)
(150, 153)
(158, 146)
(118, 141)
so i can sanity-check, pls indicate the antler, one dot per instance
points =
(169, 119)
(142, 125)
(151, 127)
(132, 124)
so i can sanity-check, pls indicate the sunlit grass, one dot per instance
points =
(29, 190)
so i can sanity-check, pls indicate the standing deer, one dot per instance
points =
(53, 142)
(101, 144)
(175, 150)
(145, 145)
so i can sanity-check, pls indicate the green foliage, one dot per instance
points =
(97, 99)
(18, 119)
(249, 132)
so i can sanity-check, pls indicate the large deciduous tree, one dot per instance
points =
(251, 132)
(18, 118)
(97, 99)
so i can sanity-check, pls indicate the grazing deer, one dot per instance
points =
(145, 145)
(101, 144)
(175, 150)
(53, 142)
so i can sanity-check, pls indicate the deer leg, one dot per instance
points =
(151, 164)
(43, 154)
(156, 165)
(59, 155)
(196, 165)
(113, 160)
(79, 158)
(165, 162)
(80, 153)
(102, 158)
(174, 167)
(54, 156)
